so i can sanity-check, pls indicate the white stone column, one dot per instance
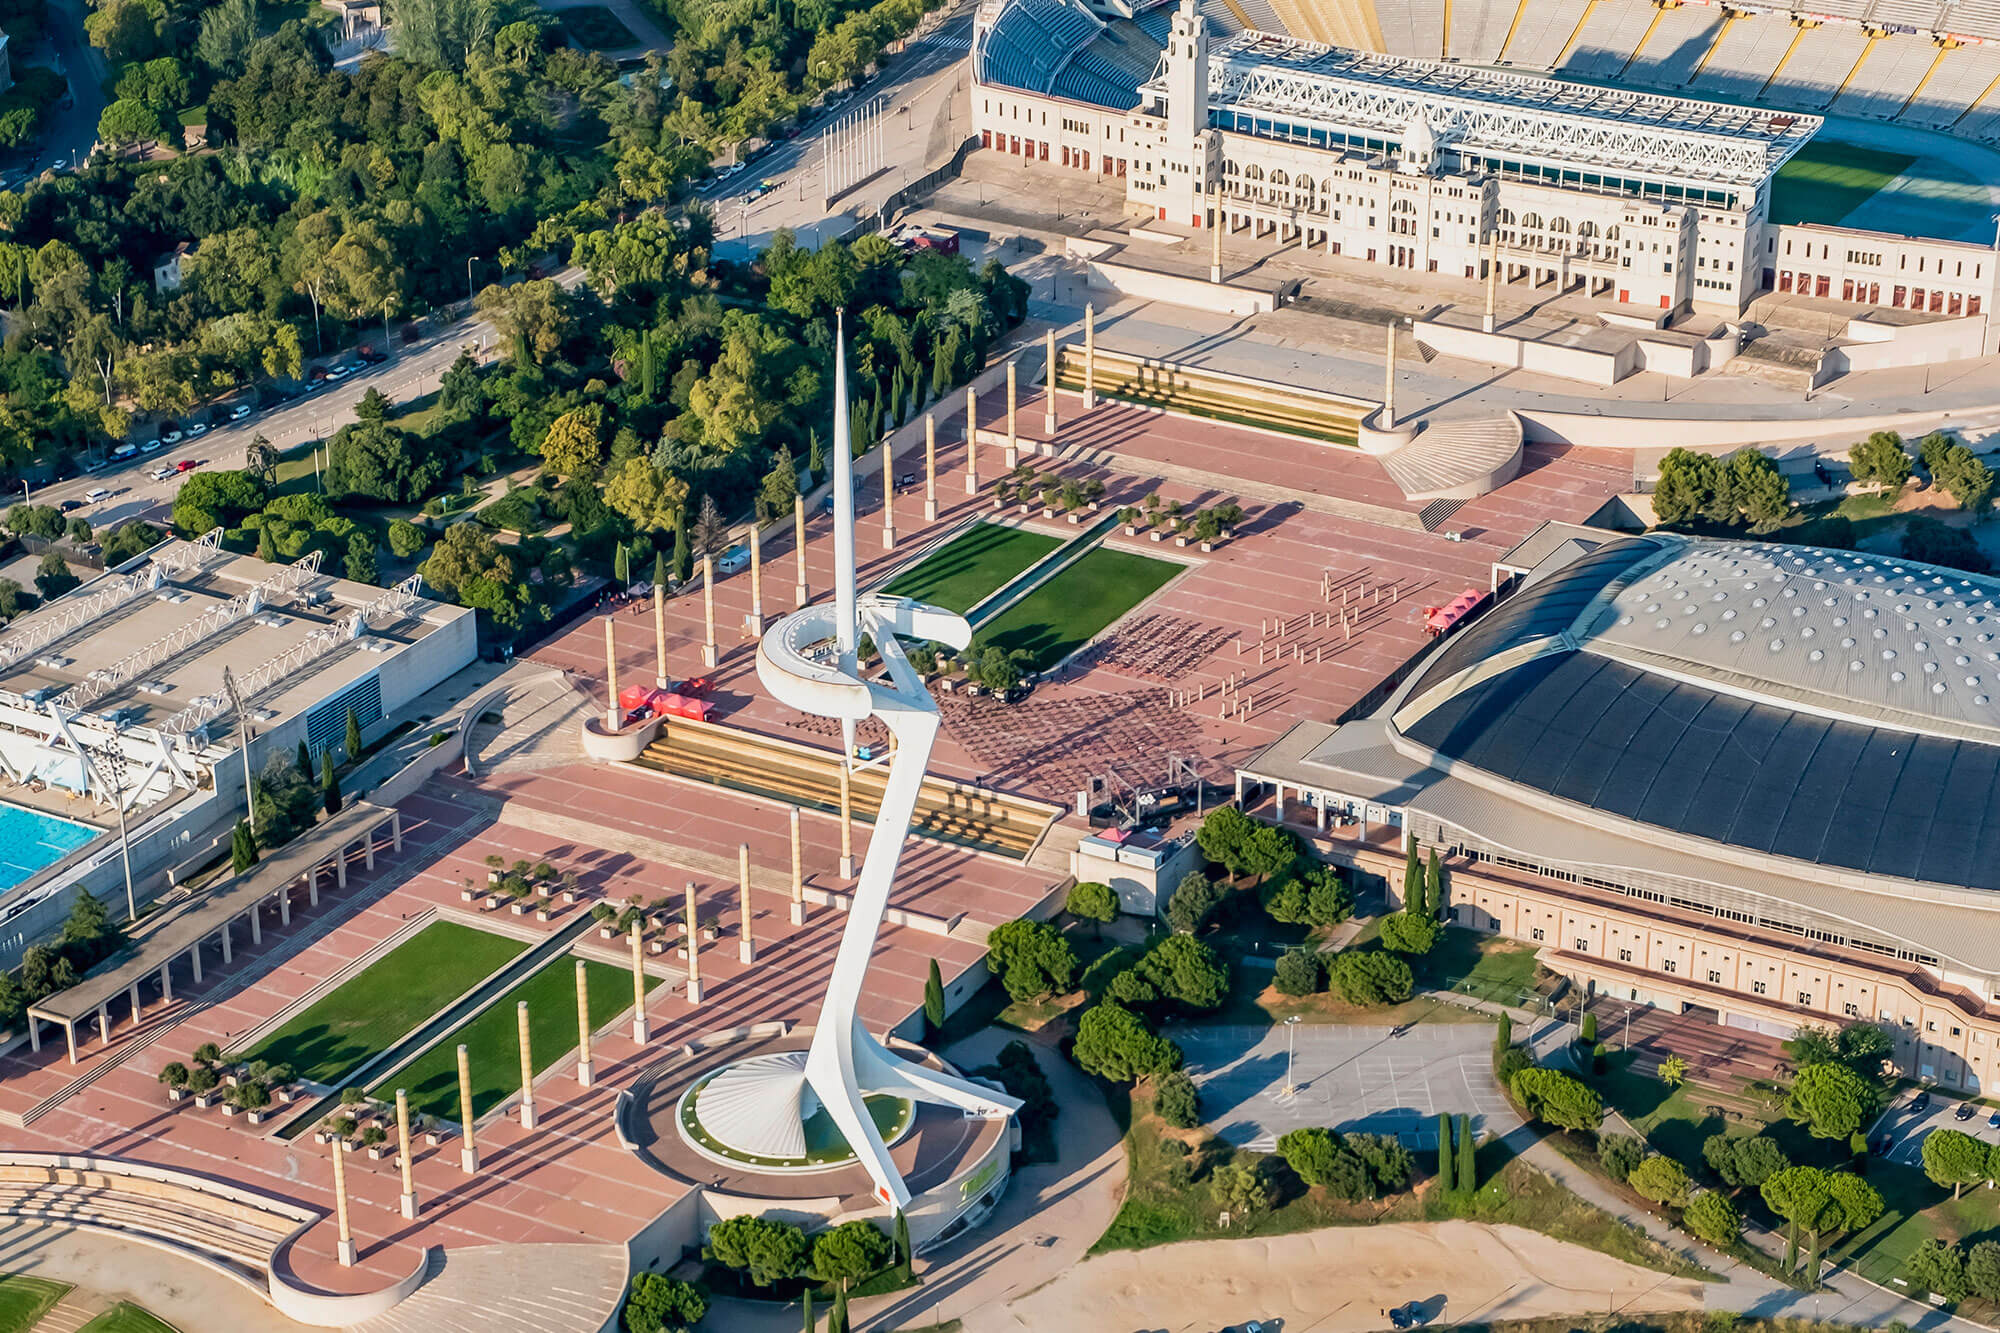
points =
(756, 544)
(584, 1070)
(798, 875)
(611, 710)
(344, 1246)
(527, 1065)
(468, 1147)
(639, 1032)
(746, 947)
(409, 1197)
(1089, 357)
(709, 656)
(693, 949)
(799, 547)
(930, 467)
(971, 441)
(1013, 439)
(1049, 394)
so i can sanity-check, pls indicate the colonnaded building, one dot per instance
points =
(1658, 202)
(1757, 781)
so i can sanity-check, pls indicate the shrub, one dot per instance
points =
(1661, 1179)
(1714, 1219)
(1299, 972)
(1554, 1097)
(1368, 977)
(769, 1251)
(1620, 1154)
(1178, 1100)
(1031, 959)
(657, 1304)
(1193, 899)
(1115, 1043)
(174, 1075)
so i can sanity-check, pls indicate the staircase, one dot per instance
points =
(743, 761)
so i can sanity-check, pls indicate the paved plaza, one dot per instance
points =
(1349, 1078)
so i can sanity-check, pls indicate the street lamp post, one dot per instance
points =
(468, 285)
(1626, 1043)
(112, 764)
(1291, 1038)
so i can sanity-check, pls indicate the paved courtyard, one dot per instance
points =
(1349, 1078)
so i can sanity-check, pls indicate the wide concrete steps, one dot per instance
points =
(232, 1242)
(1201, 393)
(741, 761)
(1458, 460)
(511, 1289)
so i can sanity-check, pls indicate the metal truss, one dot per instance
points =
(1478, 111)
(189, 557)
(209, 623)
(390, 607)
(71, 614)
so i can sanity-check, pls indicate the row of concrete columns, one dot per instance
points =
(225, 937)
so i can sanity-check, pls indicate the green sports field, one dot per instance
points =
(385, 1000)
(1827, 180)
(24, 1300)
(1070, 609)
(972, 566)
(493, 1043)
(126, 1317)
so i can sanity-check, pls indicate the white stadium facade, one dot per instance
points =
(1655, 200)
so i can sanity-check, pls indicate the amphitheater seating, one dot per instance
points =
(1030, 42)
(1960, 80)
(1543, 31)
(1895, 64)
(1411, 27)
(1225, 18)
(1350, 23)
(1744, 59)
(742, 761)
(1820, 64)
(235, 1234)
(1609, 36)
(1678, 42)
(1983, 120)
(1478, 29)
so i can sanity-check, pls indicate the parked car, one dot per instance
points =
(733, 561)
(1964, 1111)
(352, 368)
(124, 451)
(195, 428)
(371, 356)
(1921, 1102)
(756, 192)
(153, 446)
(95, 495)
(71, 506)
(187, 465)
(240, 411)
(337, 372)
(162, 472)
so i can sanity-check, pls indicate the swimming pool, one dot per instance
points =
(30, 840)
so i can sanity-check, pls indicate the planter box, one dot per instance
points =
(229, 1110)
(206, 1099)
(1180, 541)
(1157, 535)
(681, 952)
(1047, 512)
(1131, 529)
(544, 891)
(231, 1080)
(542, 914)
(347, 1145)
(607, 932)
(1027, 509)
(434, 1137)
(656, 946)
(494, 900)
(259, 1117)
(467, 895)
(377, 1151)
(286, 1095)
(518, 907)
(492, 877)
(322, 1137)
(1075, 520)
(569, 897)
(176, 1094)
(1207, 548)
(711, 934)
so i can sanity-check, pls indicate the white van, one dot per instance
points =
(124, 451)
(96, 494)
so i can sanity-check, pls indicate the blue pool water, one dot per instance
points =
(30, 840)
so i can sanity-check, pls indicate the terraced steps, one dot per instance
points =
(742, 761)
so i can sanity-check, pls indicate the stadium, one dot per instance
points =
(1668, 158)
(1750, 780)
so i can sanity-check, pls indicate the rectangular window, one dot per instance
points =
(1537, 934)
(1669, 965)
(1624, 955)
(1582, 945)
(1758, 987)
(1805, 997)
(1714, 977)
(1851, 1009)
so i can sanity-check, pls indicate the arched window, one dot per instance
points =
(1560, 226)
(1507, 218)
(1531, 222)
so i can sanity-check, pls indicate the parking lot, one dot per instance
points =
(1348, 1078)
(1908, 1128)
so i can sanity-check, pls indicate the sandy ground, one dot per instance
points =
(1342, 1278)
(108, 1269)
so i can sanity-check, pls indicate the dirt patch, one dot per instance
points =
(1342, 1278)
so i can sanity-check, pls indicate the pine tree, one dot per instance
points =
(1468, 1165)
(353, 735)
(329, 783)
(305, 760)
(934, 998)
(242, 848)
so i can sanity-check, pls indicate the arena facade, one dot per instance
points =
(1746, 779)
(1658, 202)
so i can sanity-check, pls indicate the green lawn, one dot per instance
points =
(1914, 1211)
(24, 1300)
(385, 1000)
(1070, 609)
(1825, 181)
(432, 1078)
(1472, 962)
(971, 567)
(595, 28)
(125, 1317)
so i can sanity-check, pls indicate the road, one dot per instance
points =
(71, 130)
(923, 97)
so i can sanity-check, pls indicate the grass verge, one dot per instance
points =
(126, 1317)
(368, 1012)
(972, 566)
(1070, 609)
(24, 1300)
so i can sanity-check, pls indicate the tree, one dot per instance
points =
(1754, 489)
(227, 32)
(1223, 833)
(306, 769)
(1114, 1043)
(1714, 1219)
(1831, 1101)
(1409, 932)
(904, 1255)
(1859, 1202)
(126, 123)
(360, 565)
(329, 783)
(1689, 487)
(1299, 973)
(1620, 1154)
(769, 1251)
(1468, 1155)
(1661, 1179)
(934, 998)
(534, 317)
(1673, 1071)
(574, 443)
(405, 538)
(657, 1304)
(1193, 899)
(1364, 976)
(1982, 1270)
(1799, 1195)
(1094, 902)
(1743, 1163)
(1954, 1159)
(1937, 543)
(1185, 971)
(1880, 459)
(1329, 900)
(779, 487)
(1318, 1157)
(1414, 900)
(836, 1319)
(1939, 1268)
(1031, 959)
(845, 1254)
(353, 735)
(1553, 1096)
(1434, 887)
(1238, 1189)
(52, 576)
(1178, 1100)
(652, 501)
(242, 848)
(1957, 470)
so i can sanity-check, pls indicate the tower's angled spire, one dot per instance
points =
(843, 502)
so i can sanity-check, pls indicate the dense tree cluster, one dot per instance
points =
(1744, 489)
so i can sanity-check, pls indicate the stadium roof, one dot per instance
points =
(1476, 110)
(1060, 49)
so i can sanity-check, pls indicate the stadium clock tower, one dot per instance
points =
(1188, 154)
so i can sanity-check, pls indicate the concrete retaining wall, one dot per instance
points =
(1196, 293)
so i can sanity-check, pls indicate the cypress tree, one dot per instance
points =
(934, 998)
(1434, 884)
(941, 367)
(1589, 1029)
(1468, 1165)
(1413, 880)
(1444, 1150)
(305, 760)
(903, 1255)
(815, 457)
(811, 1322)
(837, 1321)
(1503, 1035)
(683, 558)
(242, 848)
(329, 783)
(621, 565)
(659, 569)
(353, 735)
